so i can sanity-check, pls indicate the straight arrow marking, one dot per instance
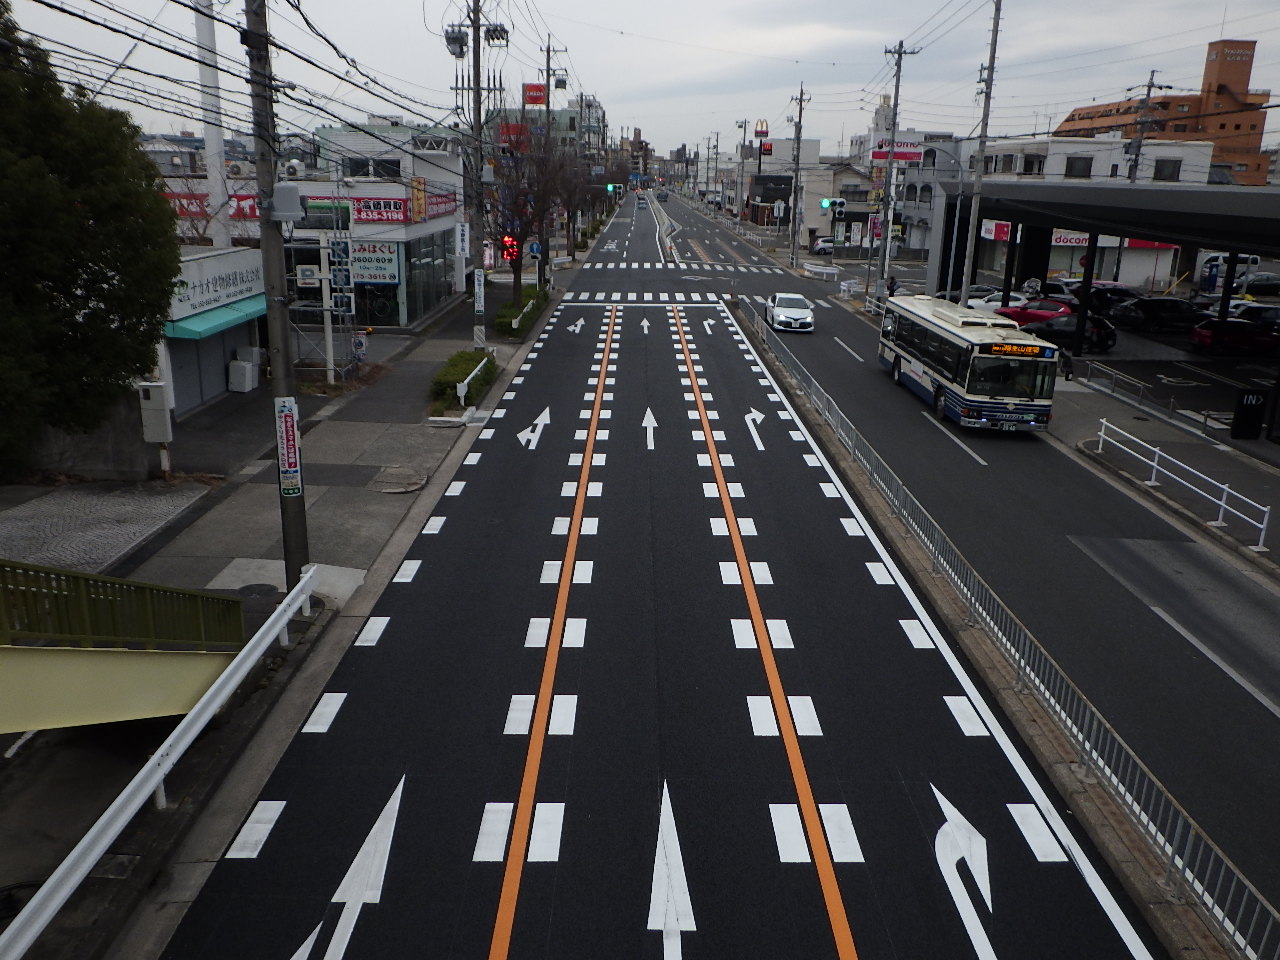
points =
(670, 908)
(529, 436)
(959, 840)
(644, 324)
(649, 423)
(754, 419)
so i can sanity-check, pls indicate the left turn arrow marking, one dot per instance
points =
(529, 436)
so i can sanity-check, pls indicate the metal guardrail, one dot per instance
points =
(1140, 394)
(1163, 465)
(464, 384)
(1193, 864)
(44, 606)
(40, 910)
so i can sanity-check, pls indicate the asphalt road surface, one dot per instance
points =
(649, 685)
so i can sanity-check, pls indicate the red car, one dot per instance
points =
(1033, 311)
(1236, 336)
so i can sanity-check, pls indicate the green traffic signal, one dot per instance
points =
(826, 202)
(610, 188)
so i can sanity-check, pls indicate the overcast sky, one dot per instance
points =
(682, 71)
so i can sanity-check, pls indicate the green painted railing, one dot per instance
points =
(44, 606)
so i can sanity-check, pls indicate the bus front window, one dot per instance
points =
(1024, 379)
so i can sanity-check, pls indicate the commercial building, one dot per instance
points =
(1225, 112)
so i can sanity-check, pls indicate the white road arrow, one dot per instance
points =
(707, 326)
(754, 418)
(644, 324)
(363, 882)
(958, 840)
(670, 909)
(649, 422)
(576, 326)
(530, 435)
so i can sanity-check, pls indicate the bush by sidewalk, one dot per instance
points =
(444, 386)
(532, 300)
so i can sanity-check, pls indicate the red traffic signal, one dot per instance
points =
(510, 247)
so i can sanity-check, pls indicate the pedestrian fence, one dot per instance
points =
(1226, 500)
(44, 905)
(1194, 866)
(1140, 394)
(464, 384)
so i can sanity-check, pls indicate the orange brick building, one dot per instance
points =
(1224, 112)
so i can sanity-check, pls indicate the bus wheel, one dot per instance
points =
(897, 371)
(940, 404)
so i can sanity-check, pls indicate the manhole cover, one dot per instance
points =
(258, 590)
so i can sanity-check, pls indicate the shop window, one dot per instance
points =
(1167, 169)
(1079, 168)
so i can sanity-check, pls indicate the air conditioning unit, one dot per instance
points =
(293, 168)
(235, 169)
(242, 376)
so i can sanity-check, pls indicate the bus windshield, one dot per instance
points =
(1011, 377)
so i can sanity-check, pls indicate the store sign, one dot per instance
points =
(216, 280)
(240, 206)
(535, 94)
(904, 151)
(374, 261)
(996, 230)
(1070, 238)
(762, 130)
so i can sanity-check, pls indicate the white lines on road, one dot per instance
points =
(471, 459)
(848, 349)
(491, 843)
(954, 439)
(726, 460)
(564, 709)
(582, 435)
(744, 636)
(455, 489)
(597, 459)
(789, 833)
(544, 837)
(760, 573)
(408, 570)
(720, 527)
(880, 573)
(575, 632)
(1037, 833)
(322, 715)
(570, 487)
(711, 490)
(765, 724)
(970, 723)
(560, 525)
(582, 571)
(829, 490)
(372, 632)
(433, 525)
(916, 634)
(248, 842)
(812, 460)
(852, 527)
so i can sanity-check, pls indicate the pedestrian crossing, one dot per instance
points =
(590, 296)
(687, 265)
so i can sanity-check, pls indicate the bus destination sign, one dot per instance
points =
(1014, 349)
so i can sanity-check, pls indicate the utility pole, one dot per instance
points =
(795, 175)
(475, 237)
(1143, 120)
(886, 207)
(706, 176)
(740, 191)
(293, 507)
(215, 170)
(544, 234)
(980, 160)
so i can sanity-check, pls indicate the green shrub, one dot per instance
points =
(444, 387)
(508, 312)
(581, 245)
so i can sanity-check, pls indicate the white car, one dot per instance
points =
(992, 300)
(789, 311)
(823, 245)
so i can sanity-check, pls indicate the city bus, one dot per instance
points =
(975, 368)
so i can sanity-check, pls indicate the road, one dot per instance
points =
(649, 684)
(1131, 607)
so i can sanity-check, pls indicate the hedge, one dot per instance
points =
(508, 312)
(444, 386)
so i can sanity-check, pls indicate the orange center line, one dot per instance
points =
(818, 847)
(504, 922)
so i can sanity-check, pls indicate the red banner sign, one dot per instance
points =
(535, 94)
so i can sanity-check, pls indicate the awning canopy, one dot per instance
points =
(209, 322)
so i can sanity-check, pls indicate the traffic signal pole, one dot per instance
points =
(980, 160)
(886, 209)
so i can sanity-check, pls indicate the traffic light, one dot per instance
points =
(835, 205)
(510, 247)
(609, 188)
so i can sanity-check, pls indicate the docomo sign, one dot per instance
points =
(908, 151)
(762, 130)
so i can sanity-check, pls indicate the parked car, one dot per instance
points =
(1041, 309)
(1099, 334)
(823, 245)
(662, 195)
(1235, 335)
(789, 311)
(1259, 285)
(1251, 310)
(1157, 313)
(992, 300)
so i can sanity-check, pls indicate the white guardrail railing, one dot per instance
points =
(463, 385)
(40, 910)
(1193, 863)
(1162, 465)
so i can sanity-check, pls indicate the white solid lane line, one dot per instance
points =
(970, 723)
(1037, 833)
(248, 842)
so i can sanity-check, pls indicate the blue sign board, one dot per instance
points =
(534, 247)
